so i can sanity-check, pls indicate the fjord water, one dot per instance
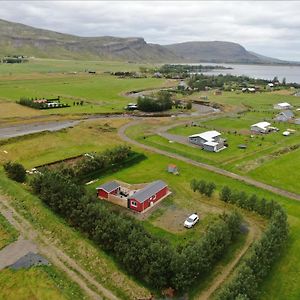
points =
(268, 72)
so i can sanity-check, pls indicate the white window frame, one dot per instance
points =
(133, 203)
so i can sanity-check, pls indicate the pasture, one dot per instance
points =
(37, 283)
(8, 234)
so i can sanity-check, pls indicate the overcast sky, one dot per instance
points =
(269, 28)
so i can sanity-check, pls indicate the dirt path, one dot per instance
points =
(253, 234)
(30, 237)
(14, 251)
(208, 167)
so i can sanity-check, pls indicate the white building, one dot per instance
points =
(283, 105)
(261, 127)
(209, 140)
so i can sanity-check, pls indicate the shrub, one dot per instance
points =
(15, 171)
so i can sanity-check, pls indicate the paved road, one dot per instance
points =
(211, 168)
(36, 241)
(23, 129)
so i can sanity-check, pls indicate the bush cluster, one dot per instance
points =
(162, 102)
(203, 187)
(151, 259)
(249, 202)
(15, 171)
(94, 163)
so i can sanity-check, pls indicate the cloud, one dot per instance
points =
(270, 28)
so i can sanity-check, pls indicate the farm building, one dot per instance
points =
(209, 140)
(137, 198)
(261, 127)
(172, 169)
(283, 105)
(284, 116)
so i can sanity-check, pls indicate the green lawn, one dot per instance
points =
(50, 66)
(258, 101)
(52, 146)
(231, 158)
(38, 283)
(8, 233)
(100, 93)
(281, 172)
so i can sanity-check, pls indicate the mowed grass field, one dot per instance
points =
(37, 283)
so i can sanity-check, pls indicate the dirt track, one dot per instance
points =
(60, 259)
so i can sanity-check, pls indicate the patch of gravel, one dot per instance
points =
(29, 260)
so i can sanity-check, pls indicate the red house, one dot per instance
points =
(137, 200)
(105, 189)
(147, 196)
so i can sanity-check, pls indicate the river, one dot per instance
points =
(268, 72)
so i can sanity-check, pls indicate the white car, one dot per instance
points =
(191, 221)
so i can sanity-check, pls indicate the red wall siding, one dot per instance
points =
(102, 194)
(142, 206)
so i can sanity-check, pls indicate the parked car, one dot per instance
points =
(191, 220)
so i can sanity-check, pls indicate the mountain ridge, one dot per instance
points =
(20, 39)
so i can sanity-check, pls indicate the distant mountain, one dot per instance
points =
(19, 39)
(219, 52)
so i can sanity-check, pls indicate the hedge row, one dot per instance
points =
(153, 260)
(264, 252)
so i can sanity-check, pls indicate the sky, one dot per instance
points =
(270, 28)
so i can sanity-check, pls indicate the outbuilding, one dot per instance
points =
(284, 116)
(108, 188)
(283, 105)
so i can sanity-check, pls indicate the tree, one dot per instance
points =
(225, 194)
(194, 185)
(210, 187)
(15, 171)
(189, 105)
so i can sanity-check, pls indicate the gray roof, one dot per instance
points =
(149, 190)
(288, 113)
(108, 186)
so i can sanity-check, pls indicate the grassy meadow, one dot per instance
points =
(8, 233)
(69, 79)
(37, 283)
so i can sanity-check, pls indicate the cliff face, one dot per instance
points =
(19, 39)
